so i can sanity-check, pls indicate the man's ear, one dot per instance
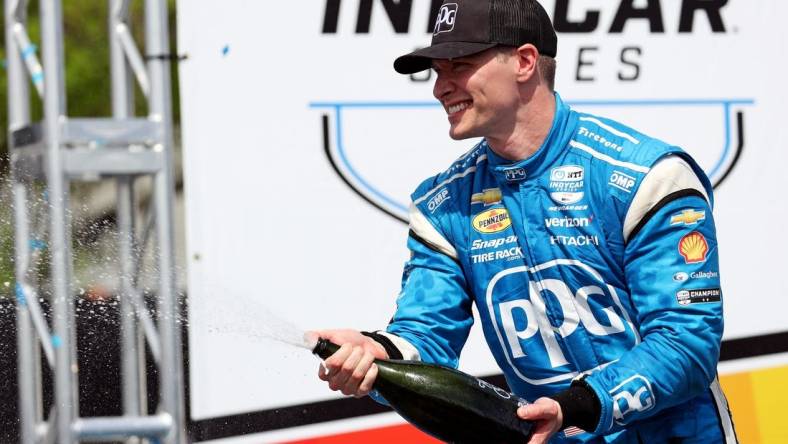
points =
(527, 56)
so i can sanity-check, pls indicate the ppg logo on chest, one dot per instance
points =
(445, 20)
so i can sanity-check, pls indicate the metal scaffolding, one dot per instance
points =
(58, 151)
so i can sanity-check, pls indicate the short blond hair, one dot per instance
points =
(545, 64)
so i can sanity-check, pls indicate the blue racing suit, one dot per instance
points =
(595, 259)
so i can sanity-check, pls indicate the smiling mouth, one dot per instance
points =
(458, 107)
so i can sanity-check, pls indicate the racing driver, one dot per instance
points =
(588, 248)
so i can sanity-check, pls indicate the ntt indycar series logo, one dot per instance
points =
(566, 184)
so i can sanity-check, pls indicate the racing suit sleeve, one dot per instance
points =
(671, 267)
(434, 312)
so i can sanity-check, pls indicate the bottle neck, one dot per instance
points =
(325, 348)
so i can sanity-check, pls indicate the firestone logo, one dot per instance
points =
(445, 20)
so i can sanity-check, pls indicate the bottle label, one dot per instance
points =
(499, 391)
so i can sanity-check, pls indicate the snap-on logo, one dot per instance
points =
(445, 20)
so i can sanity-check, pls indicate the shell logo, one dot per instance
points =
(693, 247)
(492, 221)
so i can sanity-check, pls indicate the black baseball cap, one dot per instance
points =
(467, 27)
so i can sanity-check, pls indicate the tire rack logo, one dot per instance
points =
(372, 190)
(522, 321)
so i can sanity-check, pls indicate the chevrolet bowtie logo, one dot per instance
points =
(490, 196)
(687, 217)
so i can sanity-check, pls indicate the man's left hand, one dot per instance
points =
(546, 415)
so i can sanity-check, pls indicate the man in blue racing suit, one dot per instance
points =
(588, 248)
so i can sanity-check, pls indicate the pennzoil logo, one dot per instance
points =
(489, 196)
(687, 217)
(693, 248)
(492, 221)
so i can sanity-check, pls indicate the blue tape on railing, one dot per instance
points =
(20, 294)
(37, 77)
(56, 341)
(27, 52)
(37, 244)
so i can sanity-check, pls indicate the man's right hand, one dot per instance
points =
(351, 369)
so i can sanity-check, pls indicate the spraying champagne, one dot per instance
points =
(445, 403)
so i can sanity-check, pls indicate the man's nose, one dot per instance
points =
(442, 87)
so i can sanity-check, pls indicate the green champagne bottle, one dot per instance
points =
(445, 403)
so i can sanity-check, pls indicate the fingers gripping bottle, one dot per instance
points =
(445, 403)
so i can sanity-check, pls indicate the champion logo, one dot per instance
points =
(445, 20)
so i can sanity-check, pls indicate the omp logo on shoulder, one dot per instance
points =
(492, 221)
(437, 200)
(445, 20)
(632, 396)
(621, 181)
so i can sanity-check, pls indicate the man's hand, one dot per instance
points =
(546, 415)
(351, 369)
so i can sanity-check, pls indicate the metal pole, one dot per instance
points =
(54, 115)
(122, 108)
(19, 116)
(160, 103)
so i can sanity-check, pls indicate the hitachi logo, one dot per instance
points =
(565, 16)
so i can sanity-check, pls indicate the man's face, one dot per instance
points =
(479, 93)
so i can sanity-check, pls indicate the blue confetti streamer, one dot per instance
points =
(37, 244)
(27, 52)
(20, 294)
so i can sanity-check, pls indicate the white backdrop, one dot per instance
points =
(272, 228)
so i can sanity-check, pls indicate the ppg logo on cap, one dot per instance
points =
(446, 16)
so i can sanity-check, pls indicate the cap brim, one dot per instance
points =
(421, 59)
